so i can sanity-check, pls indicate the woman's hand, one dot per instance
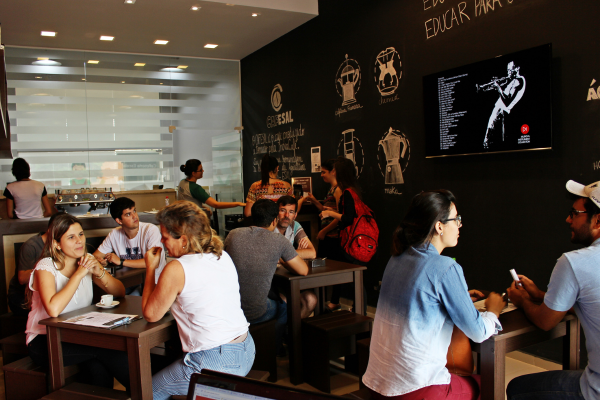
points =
(81, 271)
(476, 295)
(91, 263)
(311, 197)
(152, 257)
(239, 204)
(325, 214)
(322, 234)
(495, 303)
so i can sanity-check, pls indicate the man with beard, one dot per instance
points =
(575, 283)
(293, 231)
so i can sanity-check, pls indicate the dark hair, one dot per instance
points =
(267, 165)
(78, 164)
(286, 201)
(345, 174)
(20, 169)
(119, 205)
(190, 167)
(418, 225)
(186, 218)
(264, 212)
(328, 165)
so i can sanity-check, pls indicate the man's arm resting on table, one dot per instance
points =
(296, 265)
(541, 315)
(114, 259)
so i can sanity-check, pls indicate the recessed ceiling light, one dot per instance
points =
(83, 79)
(108, 38)
(210, 46)
(122, 81)
(38, 77)
(160, 83)
(42, 58)
(46, 62)
(182, 66)
(129, 1)
(139, 64)
(93, 62)
(171, 69)
(195, 8)
(161, 41)
(255, 14)
(48, 33)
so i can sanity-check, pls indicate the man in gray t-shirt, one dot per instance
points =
(255, 252)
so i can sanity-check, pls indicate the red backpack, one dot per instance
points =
(359, 240)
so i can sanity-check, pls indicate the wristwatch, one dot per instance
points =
(122, 261)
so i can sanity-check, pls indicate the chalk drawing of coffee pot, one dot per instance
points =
(348, 80)
(394, 147)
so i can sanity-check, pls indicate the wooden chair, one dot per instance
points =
(266, 348)
(83, 391)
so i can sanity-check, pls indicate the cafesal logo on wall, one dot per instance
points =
(387, 74)
(393, 155)
(347, 83)
(276, 103)
(351, 148)
(593, 94)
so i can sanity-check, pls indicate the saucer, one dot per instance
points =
(114, 304)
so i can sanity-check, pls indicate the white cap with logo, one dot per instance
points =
(592, 191)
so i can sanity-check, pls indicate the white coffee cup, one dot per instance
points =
(106, 300)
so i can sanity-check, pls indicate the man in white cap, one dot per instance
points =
(575, 283)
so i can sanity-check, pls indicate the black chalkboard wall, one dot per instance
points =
(513, 205)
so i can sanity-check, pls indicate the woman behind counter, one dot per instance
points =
(24, 198)
(423, 296)
(201, 288)
(269, 187)
(189, 190)
(62, 282)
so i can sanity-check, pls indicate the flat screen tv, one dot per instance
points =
(497, 105)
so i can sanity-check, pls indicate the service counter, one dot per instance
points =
(14, 232)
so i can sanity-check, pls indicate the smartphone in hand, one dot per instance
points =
(515, 276)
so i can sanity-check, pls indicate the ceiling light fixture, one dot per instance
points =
(122, 81)
(161, 41)
(107, 38)
(255, 14)
(182, 66)
(42, 58)
(93, 62)
(48, 33)
(171, 69)
(38, 77)
(139, 64)
(161, 83)
(83, 79)
(129, 1)
(195, 8)
(46, 62)
(210, 46)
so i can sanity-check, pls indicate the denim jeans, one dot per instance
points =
(275, 309)
(97, 366)
(231, 358)
(560, 385)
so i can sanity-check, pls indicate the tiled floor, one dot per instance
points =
(517, 364)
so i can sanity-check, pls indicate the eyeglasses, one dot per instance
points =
(458, 220)
(202, 170)
(574, 211)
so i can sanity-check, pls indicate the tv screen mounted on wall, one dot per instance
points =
(497, 105)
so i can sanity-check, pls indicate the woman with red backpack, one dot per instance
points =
(358, 229)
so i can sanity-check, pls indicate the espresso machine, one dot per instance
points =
(394, 147)
(83, 201)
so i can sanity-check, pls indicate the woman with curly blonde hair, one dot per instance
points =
(201, 288)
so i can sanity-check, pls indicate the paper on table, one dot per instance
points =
(480, 305)
(99, 320)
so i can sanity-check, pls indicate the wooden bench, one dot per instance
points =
(24, 380)
(77, 391)
(330, 336)
(263, 335)
(13, 348)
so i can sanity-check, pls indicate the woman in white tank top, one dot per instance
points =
(201, 288)
(62, 282)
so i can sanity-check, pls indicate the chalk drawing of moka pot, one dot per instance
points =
(394, 147)
(348, 78)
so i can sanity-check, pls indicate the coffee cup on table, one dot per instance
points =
(106, 300)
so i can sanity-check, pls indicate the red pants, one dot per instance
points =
(460, 388)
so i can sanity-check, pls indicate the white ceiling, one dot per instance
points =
(80, 23)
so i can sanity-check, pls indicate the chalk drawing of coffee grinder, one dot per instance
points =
(385, 59)
(394, 147)
(349, 150)
(348, 79)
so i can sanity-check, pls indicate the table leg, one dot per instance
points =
(295, 326)
(140, 373)
(491, 368)
(57, 368)
(358, 293)
(571, 349)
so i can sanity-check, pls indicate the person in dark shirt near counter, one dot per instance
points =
(255, 252)
(29, 254)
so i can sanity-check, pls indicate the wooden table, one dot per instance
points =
(519, 332)
(334, 273)
(136, 339)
